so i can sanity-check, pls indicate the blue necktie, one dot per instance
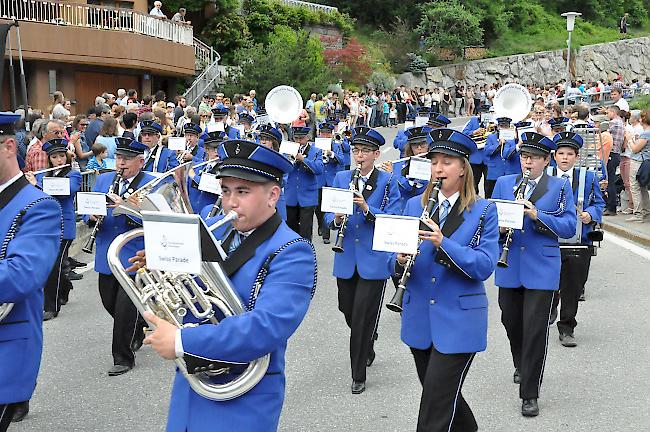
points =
(444, 212)
(236, 241)
(531, 188)
(362, 183)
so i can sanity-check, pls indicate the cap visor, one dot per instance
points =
(444, 151)
(244, 175)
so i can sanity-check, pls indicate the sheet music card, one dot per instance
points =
(210, 183)
(91, 203)
(323, 143)
(337, 201)
(408, 125)
(511, 214)
(419, 168)
(172, 242)
(176, 143)
(56, 186)
(289, 148)
(396, 234)
(421, 121)
(507, 134)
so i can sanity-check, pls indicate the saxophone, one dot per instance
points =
(521, 191)
(338, 244)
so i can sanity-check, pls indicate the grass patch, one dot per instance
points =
(640, 102)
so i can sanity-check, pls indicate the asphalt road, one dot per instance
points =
(602, 385)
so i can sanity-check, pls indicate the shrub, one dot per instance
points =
(448, 24)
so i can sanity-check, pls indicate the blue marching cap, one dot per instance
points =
(192, 128)
(129, 147)
(568, 139)
(300, 131)
(450, 142)
(251, 161)
(269, 132)
(150, 126)
(437, 120)
(365, 135)
(7, 122)
(214, 138)
(504, 121)
(523, 124)
(55, 145)
(557, 122)
(220, 111)
(417, 134)
(532, 142)
(327, 127)
(423, 110)
(247, 118)
(484, 108)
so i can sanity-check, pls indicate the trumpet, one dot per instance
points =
(521, 191)
(395, 304)
(90, 244)
(338, 137)
(338, 244)
(252, 135)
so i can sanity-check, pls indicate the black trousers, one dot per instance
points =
(320, 218)
(301, 220)
(360, 301)
(479, 170)
(57, 285)
(442, 406)
(6, 414)
(489, 187)
(612, 197)
(525, 314)
(573, 277)
(125, 319)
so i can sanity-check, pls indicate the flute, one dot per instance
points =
(50, 169)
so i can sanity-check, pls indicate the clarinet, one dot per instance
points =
(216, 208)
(521, 191)
(338, 244)
(395, 304)
(90, 244)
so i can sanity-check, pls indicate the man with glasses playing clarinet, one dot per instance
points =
(528, 272)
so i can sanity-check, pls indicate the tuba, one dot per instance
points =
(171, 296)
(5, 309)
(283, 104)
(512, 101)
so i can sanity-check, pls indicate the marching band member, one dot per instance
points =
(247, 120)
(193, 150)
(416, 144)
(476, 129)
(31, 227)
(399, 142)
(203, 201)
(361, 272)
(220, 114)
(302, 184)
(271, 138)
(127, 335)
(445, 315)
(576, 256)
(57, 287)
(529, 282)
(258, 239)
(157, 158)
(497, 151)
(332, 163)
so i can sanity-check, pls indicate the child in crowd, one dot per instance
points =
(385, 113)
(392, 115)
(97, 162)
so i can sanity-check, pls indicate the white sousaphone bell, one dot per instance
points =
(512, 101)
(283, 104)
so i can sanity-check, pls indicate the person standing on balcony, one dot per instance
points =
(179, 17)
(156, 11)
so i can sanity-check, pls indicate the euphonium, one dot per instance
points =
(171, 296)
(5, 308)
(90, 244)
(396, 302)
(338, 244)
(521, 191)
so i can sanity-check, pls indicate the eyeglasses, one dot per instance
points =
(363, 151)
(83, 124)
(106, 112)
(58, 132)
(205, 116)
(526, 156)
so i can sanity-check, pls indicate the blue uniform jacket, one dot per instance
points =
(67, 202)
(534, 257)
(113, 226)
(408, 188)
(166, 161)
(594, 204)
(345, 147)
(28, 259)
(478, 157)
(334, 165)
(382, 196)
(233, 133)
(498, 161)
(400, 142)
(301, 189)
(280, 307)
(445, 302)
(198, 198)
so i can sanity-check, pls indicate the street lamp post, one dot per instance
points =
(570, 23)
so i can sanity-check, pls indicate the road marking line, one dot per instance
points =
(638, 250)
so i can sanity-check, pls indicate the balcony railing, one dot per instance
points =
(99, 17)
(312, 6)
(204, 55)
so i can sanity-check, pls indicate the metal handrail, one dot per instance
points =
(312, 6)
(599, 99)
(204, 54)
(98, 17)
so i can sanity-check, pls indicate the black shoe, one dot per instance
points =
(358, 387)
(371, 357)
(553, 317)
(582, 297)
(74, 263)
(64, 302)
(74, 276)
(609, 213)
(529, 408)
(20, 411)
(320, 232)
(119, 370)
(137, 343)
(47, 315)
(515, 377)
(568, 340)
(326, 241)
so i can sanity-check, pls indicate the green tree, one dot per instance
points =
(226, 33)
(448, 24)
(290, 58)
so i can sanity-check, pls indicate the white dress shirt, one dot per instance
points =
(11, 181)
